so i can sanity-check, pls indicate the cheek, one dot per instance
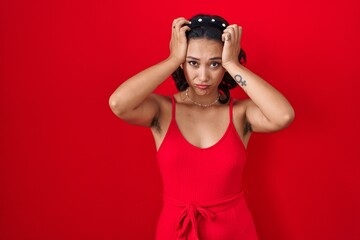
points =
(189, 74)
(219, 76)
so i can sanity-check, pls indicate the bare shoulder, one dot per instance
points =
(179, 97)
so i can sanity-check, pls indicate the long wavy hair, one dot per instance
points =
(209, 27)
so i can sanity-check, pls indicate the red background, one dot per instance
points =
(71, 170)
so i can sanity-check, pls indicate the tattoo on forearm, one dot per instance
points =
(238, 78)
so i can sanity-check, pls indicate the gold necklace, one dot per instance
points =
(199, 104)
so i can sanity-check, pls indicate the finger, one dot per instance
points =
(179, 22)
(185, 28)
(240, 32)
(176, 20)
(226, 36)
(230, 27)
(233, 29)
(229, 34)
(223, 37)
(235, 32)
(174, 23)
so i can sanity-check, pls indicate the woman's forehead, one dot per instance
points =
(204, 47)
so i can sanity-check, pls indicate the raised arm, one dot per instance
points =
(267, 110)
(133, 100)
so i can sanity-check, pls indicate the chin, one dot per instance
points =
(202, 91)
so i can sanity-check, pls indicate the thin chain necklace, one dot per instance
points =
(199, 104)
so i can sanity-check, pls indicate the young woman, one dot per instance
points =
(201, 133)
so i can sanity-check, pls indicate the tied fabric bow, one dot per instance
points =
(189, 216)
(192, 211)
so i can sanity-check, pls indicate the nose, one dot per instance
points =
(203, 74)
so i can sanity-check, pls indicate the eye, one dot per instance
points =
(215, 64)
(193, 63)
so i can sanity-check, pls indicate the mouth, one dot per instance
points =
(202, 86)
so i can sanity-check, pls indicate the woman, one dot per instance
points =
(201, 133)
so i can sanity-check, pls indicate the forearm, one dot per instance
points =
(270, 101)
(134, 91)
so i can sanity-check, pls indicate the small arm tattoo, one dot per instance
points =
(238, 78)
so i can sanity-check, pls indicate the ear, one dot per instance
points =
(182, 66)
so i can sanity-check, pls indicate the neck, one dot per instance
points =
(204, 101)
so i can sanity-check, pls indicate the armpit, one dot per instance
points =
(155, 123)
(247, 127)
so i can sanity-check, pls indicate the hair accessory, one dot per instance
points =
(207, 21)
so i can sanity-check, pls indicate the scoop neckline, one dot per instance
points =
(174, 121)
(205, 148)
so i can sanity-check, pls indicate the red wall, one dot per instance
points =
(71, 170)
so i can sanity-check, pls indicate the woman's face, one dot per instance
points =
(202, 68)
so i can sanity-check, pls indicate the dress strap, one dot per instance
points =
(231, 109)
(173, 107)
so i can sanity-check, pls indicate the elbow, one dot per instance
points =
(112, 103)
(287, 119)
(115, 106)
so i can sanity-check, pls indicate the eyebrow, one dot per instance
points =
(213, 58)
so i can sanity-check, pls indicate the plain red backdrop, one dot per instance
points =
(71, 170)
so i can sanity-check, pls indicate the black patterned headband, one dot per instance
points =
(207, 21)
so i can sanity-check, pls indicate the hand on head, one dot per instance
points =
(231, 37)
(211, 27)
(178, 43)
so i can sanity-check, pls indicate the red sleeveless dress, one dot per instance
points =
(203, 197)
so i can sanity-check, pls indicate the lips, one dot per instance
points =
(202, 86)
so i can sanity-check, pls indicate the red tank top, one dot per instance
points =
(201, 181)
(191, 173)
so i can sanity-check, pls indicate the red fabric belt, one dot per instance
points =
(191, 211)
